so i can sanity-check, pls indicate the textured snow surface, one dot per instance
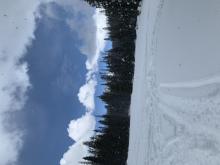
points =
(175, 107)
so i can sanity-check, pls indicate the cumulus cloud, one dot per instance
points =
(90, 31)
(86, 94)
(88, 23)
(17, 24)
(88, 90)
(80, 130)
(82, 23)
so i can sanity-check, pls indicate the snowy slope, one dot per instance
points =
(175, 107)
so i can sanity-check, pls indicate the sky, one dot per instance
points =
(49, 63)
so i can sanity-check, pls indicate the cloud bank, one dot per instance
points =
(17, 25)
(90, 32)
(87, 92)
(88, 23)
(17, 31)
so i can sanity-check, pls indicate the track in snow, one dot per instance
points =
(192, 84)
(167, 129)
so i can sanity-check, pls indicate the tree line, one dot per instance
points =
(109, 146)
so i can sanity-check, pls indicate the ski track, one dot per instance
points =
(166, 129)
(192, 84)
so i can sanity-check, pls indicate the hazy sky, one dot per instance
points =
(48, 79)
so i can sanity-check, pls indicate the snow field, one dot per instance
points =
(175, 116)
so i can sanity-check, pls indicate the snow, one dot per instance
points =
(175, 105)
(192, 84)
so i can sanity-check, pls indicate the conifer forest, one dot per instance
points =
(109, 146)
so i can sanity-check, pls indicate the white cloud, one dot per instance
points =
(80, 130)
(93, 43)
(88, 24)
(11, 143)
(82, 23)
(86, 94)
(74, 155)
(17, 25)
(88, 90)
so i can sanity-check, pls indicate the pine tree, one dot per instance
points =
(110, 144)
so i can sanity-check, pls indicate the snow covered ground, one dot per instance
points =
(175, 107)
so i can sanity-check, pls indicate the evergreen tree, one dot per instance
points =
(110, 144)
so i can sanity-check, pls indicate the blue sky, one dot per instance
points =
(56, 57)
